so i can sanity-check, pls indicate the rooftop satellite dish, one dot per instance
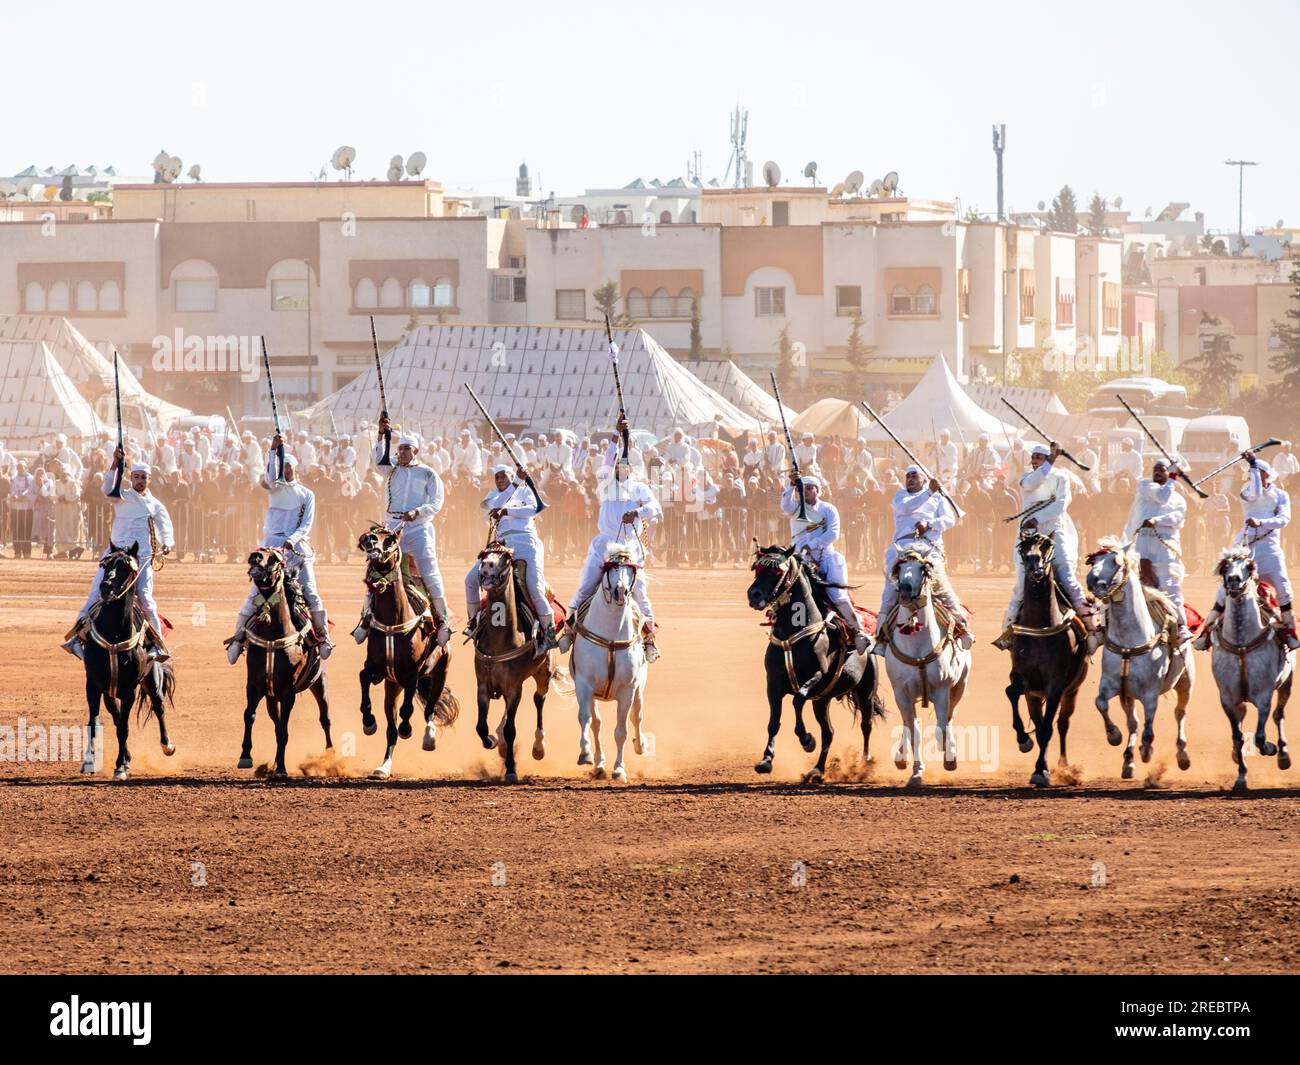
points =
(173, 169)
(1281, 223)
(160, 161)
(395, 172)
(343, 158)
(853, 183)
(194, 173)
(1042, 205)
(771, 174)
(1119, 202)
(876, 186)
(890, 184)
(810, 172)
(416, 163)
(838, 190)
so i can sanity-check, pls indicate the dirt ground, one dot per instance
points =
(696, 865)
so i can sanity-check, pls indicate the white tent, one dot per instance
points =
(736, 386)
(38, 399)
(540, 377)
(938, 402)
(89, 369)
(832, 417)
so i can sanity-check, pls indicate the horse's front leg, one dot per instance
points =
(584, 692)
(620, 729)
(286, 702)
(1235, 714)
(408, 705)
(508, 733)
(1107, 689)
(804, 737)
(319, 693)
(385, 769)
(367, 677)
(641, 739)
(1183, 695)
(91, 755)
(1279, 715)
(775, 697)
(155, 690)
(253, 696)
(1014, 691)
(822, 712)
(484, 693)
(1131, 722)
(1150, 705)
(944, 738)
(543, 681)
(1042, 777)
(122, 719)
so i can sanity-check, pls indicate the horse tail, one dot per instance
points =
(446, 707)
(145, 694)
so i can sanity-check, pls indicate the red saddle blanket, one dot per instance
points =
(1194, 618)
(868, 619)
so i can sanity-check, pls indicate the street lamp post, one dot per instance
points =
(1241, 165)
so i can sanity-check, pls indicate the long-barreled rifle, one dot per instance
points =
(789, 444)
(528, 479)
(116, 493)
(618, 388)
(275, 410)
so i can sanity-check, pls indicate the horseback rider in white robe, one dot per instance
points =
(413, 496)
(290, 514)
(139, 518)
(627, 507)
(1266, 510)
(1154, 523)
(815, 537)
(513, 507)
(1051, 487)
(921, 517)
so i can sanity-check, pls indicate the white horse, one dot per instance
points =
(925, 662)
(609, 663)
(1249, 662)
(1140, 662)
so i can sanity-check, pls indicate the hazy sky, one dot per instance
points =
(1136, 99)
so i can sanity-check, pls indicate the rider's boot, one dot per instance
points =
(362, 631)
(651, 651)
(443, 614)
(1288, 630)
(547, 641)
(564, 640)
(235, 644)
(76, 644)
(321, 627)
(155, 649)
(1202, 641)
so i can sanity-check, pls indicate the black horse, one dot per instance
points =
(810, 655)
(118, 670)
(283, 655)
(1049, 655)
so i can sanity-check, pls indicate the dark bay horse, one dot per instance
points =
(283, 655)
(1049, 655)
(401, 650)
(118, 672)
(809, 656)
(506, 654)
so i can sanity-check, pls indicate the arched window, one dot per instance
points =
(637, 305)
(418, 294)
(366, 294)
(194, 286)
(443, 294)
(622, 218)
(34, 298)
(390, 295)
(58, 299)
(685, 302)
(110, 296)
(661, 304)
(925, 300)
(900, 301)
(290, 284)
(665, 217)
(87, 296)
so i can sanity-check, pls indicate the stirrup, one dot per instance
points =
(1003, 642)
(76, 647)
(652, 653)
(362, 631)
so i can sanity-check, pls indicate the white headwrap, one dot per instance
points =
(407, 440)
(1041, 449)
(809, 480)
(141, 467)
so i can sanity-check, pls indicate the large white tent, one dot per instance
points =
(939, 402)
(537, 377)
(38, 399)
(736, 386)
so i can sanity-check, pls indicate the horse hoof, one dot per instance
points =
(381, 774)
(87, 767)
(584, 759)
(900, 763)
(279, 774)
(1240, 787)
(539, 749)
(1026, 745)
(369, 726)
(620, 776)
(764, 768)
(950, 767)
(1041, 780)
(813, 776)
(489, 743)
(1284, 760)
(245, 763)
(1268, 750)
(430, 737)
(1146, 754)
(809, 744)
(598, 773)
(404, 730)
(1128, 772)
(169, 749)
(916, 781)
(511, 778)
(121, 774)
(1113, 736)
(1184, 761)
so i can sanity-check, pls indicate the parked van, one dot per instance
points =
(1146, 395)
(1211, 440)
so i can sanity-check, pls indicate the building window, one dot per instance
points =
(517, 262)
(1064, 302)
(665, 218)
(366, 295)
(1110, 306)
(110, 296)
(58, 297)
(571, 304)
(508, 289)
(637, 304)
(963, 292)
(87, 297)
(780, 212)
(443, 294)
(390, 294)
(289, 294)
(925, 300)
(34, 298)
(1028, 295)
(418, 294)
(900, 301)
(196, 296)
(848, 300)
(769, 302)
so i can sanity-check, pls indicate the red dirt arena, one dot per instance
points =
(695, 865)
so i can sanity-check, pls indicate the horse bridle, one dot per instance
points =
(135, 573)
(504, 569)
(614, 565)
(1123, 570)
(790, 568)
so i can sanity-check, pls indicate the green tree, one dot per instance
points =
(606, 298)
(697, 338)
(1287, 361)
(785, 359)
(1216, 369)
(857, 356)
(1097, 215)
(1064, 215)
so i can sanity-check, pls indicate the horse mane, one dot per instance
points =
(1111, 545)
(1233, 554)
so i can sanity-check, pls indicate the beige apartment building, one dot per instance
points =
(307, 264)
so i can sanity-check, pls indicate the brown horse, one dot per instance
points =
(118, 672)
(401, 650)
(1049, 656)
(506, 654)
(283, 655)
